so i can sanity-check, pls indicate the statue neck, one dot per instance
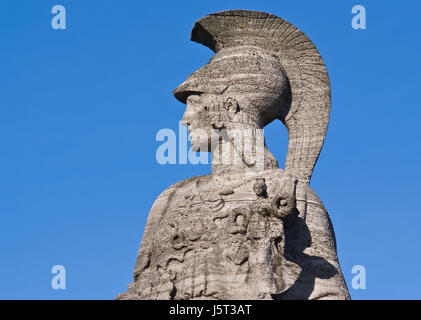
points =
(247, 154)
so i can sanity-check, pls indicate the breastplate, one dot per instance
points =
(221, 239)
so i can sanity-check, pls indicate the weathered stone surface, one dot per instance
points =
(249, 230)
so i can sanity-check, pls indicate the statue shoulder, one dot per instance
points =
(166, 197)
(169, 196)
(157, 212)
(176, 188)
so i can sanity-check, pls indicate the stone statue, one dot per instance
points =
(249, 230)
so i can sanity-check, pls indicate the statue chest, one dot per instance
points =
(212, 235)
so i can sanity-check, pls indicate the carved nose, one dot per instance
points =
(186, 120)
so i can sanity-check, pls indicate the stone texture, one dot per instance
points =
(249, 230)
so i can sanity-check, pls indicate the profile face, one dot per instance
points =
(198, 117)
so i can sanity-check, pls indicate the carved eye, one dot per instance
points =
(282, 202)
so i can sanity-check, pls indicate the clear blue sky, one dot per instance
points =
(80, 108)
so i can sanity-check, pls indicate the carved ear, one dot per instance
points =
(231, 106)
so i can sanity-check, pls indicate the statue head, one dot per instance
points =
(241, 87)
(260, 187)
(264, 69)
